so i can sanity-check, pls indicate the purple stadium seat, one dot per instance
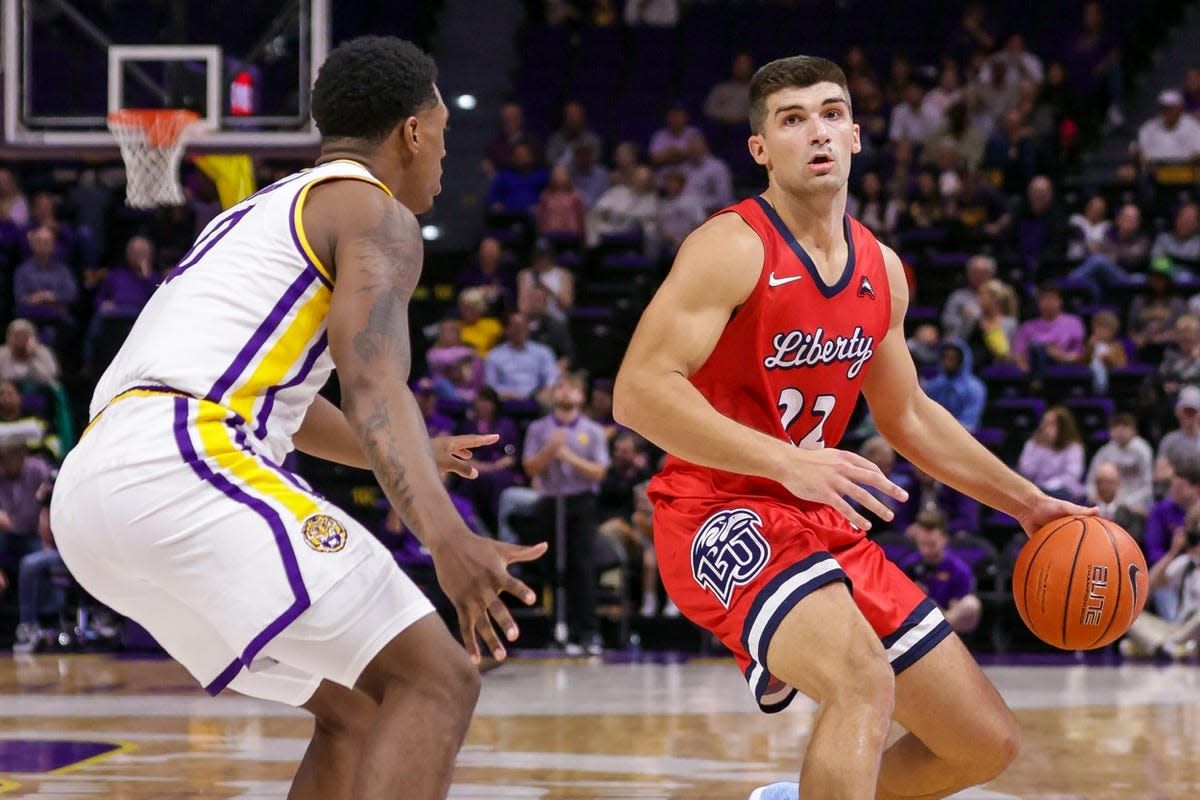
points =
(1004, 380)
(1067, 380)
(1019, 415)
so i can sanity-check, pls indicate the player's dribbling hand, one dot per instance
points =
(830, 476)
(473, 571)
(453, 452)
(1047, 509)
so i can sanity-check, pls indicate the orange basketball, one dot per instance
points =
(1080, 582)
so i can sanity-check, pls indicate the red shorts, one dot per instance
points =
(737, 567)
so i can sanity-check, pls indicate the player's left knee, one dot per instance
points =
(1000, 744)
(348, 720)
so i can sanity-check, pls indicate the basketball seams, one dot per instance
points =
(1025, 581)
(1120, 580)
(1071, 581)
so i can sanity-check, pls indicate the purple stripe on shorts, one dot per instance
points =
(296, 240)
(264, 331)
(239, 436)
(225, 678)
(274, 521)
(264, 413)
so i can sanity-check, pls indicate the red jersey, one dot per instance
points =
(792, 359)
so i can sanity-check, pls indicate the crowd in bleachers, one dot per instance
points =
(1056, 321)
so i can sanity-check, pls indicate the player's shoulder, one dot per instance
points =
(720, 261)
(340, 209)
(721, 241)
(357, 203)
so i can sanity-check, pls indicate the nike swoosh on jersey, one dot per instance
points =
(773, 281)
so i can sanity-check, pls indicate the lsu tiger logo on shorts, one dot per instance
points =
(728, 551)
(324, 534)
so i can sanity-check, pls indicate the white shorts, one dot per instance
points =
(166, 513)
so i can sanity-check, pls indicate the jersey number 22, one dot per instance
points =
(791, 403)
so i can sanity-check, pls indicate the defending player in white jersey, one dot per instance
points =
(174, 509)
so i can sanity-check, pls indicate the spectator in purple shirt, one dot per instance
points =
(1092, 58)
(669, 144)
(1053, 335)
(1166, 517)
(496, 463)
(498, 154)
(21, 476)
(516, 188)
(43, 213)
(44, 287)
(127, 287)
(566, 456)
(1040, 229)
(1053, 458)
(491, 275)
(945, 577)
(573, 133)
(33, 581)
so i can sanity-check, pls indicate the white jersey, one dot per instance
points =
(241, 320)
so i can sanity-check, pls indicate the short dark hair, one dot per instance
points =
(784, 73)
(932, 519)
(369, 85)
(1123, 418)
(1187, 468)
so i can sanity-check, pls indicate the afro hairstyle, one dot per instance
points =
(369, 85)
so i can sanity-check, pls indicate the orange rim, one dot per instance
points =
(162, 126)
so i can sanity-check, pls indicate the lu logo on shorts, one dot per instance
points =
(324, 534)
(729, 551)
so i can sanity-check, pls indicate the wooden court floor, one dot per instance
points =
(96, 726)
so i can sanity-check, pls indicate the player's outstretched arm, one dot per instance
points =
(326, 434)
(929, 435)
(714, 273)
(376, 251)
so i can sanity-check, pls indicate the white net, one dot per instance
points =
(152, 143)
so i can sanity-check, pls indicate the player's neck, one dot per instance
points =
(368, 158)
(815, 220)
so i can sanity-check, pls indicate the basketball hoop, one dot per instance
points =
(151, 142)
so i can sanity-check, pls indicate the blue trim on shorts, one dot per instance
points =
(924, 644)
(789, 602)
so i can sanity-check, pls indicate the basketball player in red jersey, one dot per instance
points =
(746, 367)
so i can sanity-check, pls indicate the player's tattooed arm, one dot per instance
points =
(377, 251)
(378, 259)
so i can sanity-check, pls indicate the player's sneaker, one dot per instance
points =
(776, 791)
(1131, 649)
(1181, 651)
(29, 638)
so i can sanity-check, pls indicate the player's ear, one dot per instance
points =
(856, 146)
(409, 138)
(758, 148)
